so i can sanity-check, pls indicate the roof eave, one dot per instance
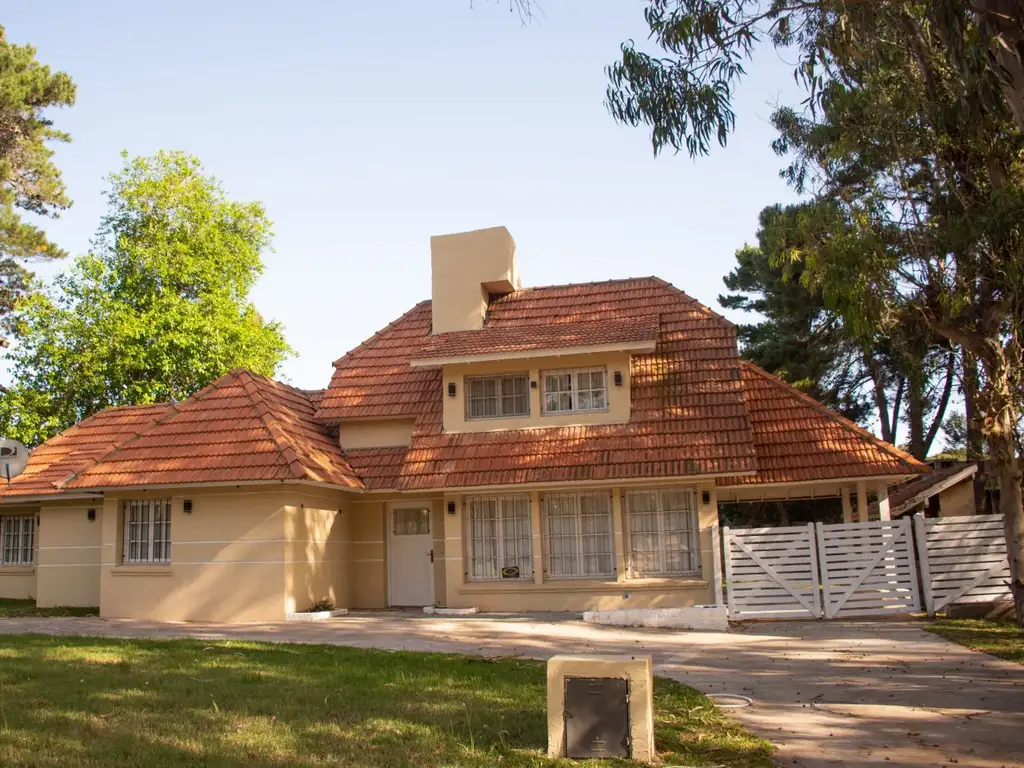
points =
(645, 346)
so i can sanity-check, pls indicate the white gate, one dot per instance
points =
(868, 569)
(963, 559)
(772, 573)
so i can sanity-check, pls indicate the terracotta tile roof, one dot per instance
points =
(688, 414)
(241, 428)
(77, 447)
(375, 380)
(798, 439)
(496, 340)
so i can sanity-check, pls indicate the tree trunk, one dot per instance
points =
(1005, 465)
(915, 414)
(974, 423)
(940, 408)
(1002, 22)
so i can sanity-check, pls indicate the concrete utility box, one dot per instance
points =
(601, 706)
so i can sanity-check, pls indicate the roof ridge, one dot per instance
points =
(280, 437)
(173, 409)
(837, 417)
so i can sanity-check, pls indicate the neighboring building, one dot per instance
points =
(553, 448)
(947, 491)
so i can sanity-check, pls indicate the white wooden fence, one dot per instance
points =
(868, 569)
(963, 560)
(772, 573)
(863, 569)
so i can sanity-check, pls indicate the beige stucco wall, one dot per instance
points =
(69, 554)
(579, 594)
(958, 499)
(18, 582)
(316, 562)
(231, 558)
(618, 396)
(367, 554)
(464, 268)
(383, 433)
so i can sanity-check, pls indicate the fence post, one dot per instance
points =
(716, 570)
(822, 557)
(815, 570)
(727, 548)
(921, 537)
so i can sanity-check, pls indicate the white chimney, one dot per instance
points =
(466, 268)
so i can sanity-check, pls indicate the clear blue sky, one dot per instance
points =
(366, 127)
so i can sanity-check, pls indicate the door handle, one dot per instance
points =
(431, 555)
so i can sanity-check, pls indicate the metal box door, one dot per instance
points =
(596, 717)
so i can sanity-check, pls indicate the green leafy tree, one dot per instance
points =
(907, 375)
(908, 132)
(157, 311)
(798, 338)
(29, 181)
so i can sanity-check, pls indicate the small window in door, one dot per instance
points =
(411, 522)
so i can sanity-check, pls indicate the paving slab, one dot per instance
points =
(825, 693)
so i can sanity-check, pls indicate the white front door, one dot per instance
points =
(411, 556)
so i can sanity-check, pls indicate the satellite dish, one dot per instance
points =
(13, 459)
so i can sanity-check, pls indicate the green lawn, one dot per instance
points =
(999, 638)
(12, 609)
(93, 702)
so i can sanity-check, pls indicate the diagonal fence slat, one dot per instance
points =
(771, 573)
(963, 560)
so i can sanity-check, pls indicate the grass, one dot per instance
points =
(92, 702)
(16, 609)
(998, 638)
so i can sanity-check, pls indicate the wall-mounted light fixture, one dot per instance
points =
(618, 378)
(705, 497)
(451, 389)
(91, 515)
(451, 507)
(533, 385)
(186, 506)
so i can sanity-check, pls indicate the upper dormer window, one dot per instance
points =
(495, 397)
(576, 389)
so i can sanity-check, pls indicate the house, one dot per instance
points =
(947, 491)
(514, 449)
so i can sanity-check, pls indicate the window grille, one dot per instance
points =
(498, 537)
(579, 389)
(578, 528)
(17, 535)
(664, 538)
(147, 531)
(492, 397)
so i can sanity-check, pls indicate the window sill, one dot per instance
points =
(17, 570)
(583, 585)
(141, 570)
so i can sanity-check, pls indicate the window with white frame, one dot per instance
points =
(17, 539)
(577, 389)
(578, 533)
(492, 397)
(498, 538)
(664, 538)
(147, 531)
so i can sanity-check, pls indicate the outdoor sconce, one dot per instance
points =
(618, 378)
(91, 515)
(451, 507)
(533, 385)
(186, 506)
(705, 497)
(451, 389)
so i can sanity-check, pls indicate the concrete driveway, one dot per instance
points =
(826, 693)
